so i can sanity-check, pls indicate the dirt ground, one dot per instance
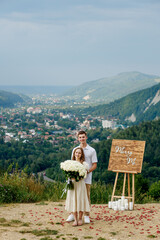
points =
(46, 221)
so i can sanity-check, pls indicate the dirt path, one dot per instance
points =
(46, 221)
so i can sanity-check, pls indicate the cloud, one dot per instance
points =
(67, 38)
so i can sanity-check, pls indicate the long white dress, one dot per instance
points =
(77, 199)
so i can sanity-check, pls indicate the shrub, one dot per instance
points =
(18, 187)
(154, 190)
(100, 193)
(53, 191)
(141, 188)
(8, 193)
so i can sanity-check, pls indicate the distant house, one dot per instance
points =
(34, 110)
(60, 137)
(47, 124)
(69, 136)
(37, 110)
(30, 109)
(66, 116)
(4, 126)
(10, 134)
(96, 140)
(108, 124)
(32, 131)
(85, 124)
(7, 139)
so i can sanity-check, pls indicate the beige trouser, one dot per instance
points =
(88, 187)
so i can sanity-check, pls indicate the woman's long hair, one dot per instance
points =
(82, 158)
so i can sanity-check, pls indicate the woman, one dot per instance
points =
(77, 200)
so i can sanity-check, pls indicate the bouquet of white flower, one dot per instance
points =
(74, 170)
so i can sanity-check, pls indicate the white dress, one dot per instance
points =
(77, 199)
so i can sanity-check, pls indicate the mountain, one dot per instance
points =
(111, 88)
(32, 90)
(136, 107)
(8, 99)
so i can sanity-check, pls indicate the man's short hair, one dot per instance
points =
(82, 132)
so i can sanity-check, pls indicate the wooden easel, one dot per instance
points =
(126, 157)
(124, 183)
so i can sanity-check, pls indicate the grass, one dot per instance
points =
(12, 223)
(2, 220)
(113, 233)
(40, 232)
(25, 224)
(88, 237)
(23, 214)
(46, 238)
(21, 188)
(58, 236)
(152, 236)
(100, 238)
(42, 203)
(60, 205)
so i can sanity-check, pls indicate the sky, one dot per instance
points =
(69, 42)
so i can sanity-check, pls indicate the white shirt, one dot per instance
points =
(90, 158)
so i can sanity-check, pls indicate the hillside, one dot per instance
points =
(139, 106)
(41, 156)
(8, 99)
(111, 88)
(147, 131)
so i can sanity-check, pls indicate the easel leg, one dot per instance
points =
(129, 191)
(124, 183)
(133, 189)
(114, 188)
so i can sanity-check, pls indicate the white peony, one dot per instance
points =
(75, 166)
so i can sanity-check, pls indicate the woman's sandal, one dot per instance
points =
(75, 224)
(80, 223)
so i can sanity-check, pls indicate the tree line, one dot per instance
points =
(39, 156)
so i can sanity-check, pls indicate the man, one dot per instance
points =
(91, 159)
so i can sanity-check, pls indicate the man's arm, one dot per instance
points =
(94, 166)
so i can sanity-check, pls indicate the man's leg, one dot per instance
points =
(86, 214)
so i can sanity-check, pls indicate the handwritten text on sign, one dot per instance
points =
(126, 155)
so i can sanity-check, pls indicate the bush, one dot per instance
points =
(154, 190)
(8, 193)
(100, 193)
(53, 191)
(141, 188)
(18, 187)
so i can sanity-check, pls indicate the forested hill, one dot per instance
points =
(140, 106)
(111, 88)
(8, 99)
(147, 131)
(39, 156)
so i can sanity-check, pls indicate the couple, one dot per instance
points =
(78, 200)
